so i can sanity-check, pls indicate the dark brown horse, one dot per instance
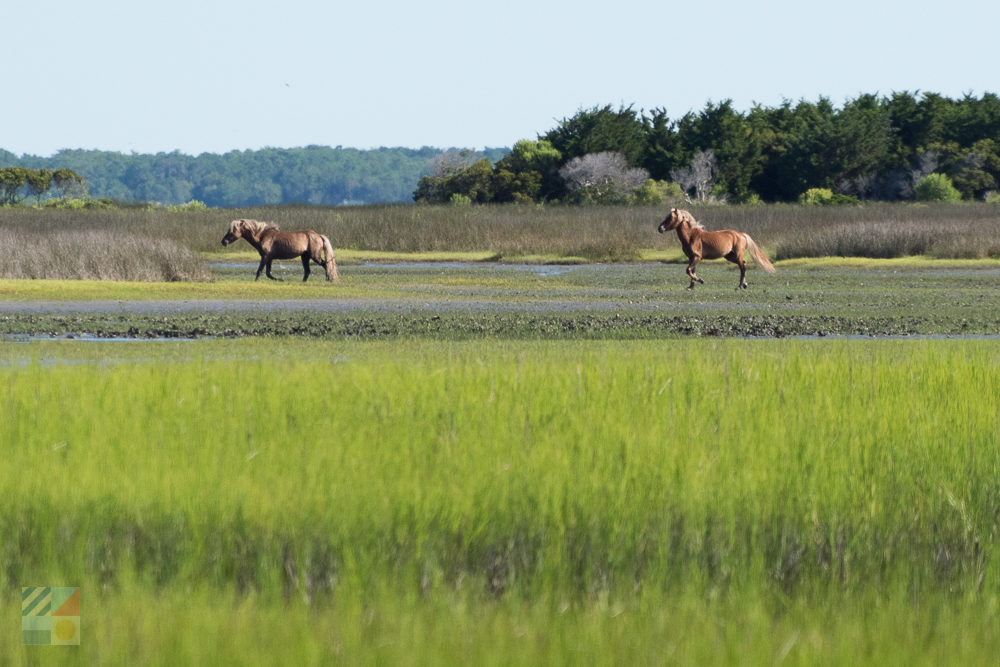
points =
(699, 244)
(274, 244)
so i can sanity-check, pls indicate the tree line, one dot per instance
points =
(310, 175)
(872, 147)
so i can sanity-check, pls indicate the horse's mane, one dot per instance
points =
(257, 227)
(688, 218)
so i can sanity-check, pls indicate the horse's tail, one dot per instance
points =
(758, 255)
(331, 263)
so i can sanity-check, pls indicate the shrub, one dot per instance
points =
(193, 205)
(825, 197)
(85, 203)
(992, 197)
(460, 200)
(655, 193)
(843, 200)
(937, 188)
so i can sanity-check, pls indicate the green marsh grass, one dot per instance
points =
(740, 502)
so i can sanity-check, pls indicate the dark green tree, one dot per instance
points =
(66, 180)
(664, 148)
(794, 149)
(861, 140)
(38, 182)
(599, 130)
(733, 139)
(474, 181)
(528, 172)
(12, 181)
(974, 170)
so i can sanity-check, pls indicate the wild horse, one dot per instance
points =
(699, 244)
(273, 244)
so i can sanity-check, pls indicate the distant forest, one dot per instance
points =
(310, 175)
(871, 147)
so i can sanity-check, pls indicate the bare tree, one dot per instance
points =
(700, 176)
(926, 164)
(605, 174)
(863, 184)
(451, 161)
(845, 186)
(974, 161)
(892, 185)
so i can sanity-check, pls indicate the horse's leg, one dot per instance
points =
(736, 258)
(263, 263)
(317, 256)
(269, 271)
(305, 267)
(690, 271)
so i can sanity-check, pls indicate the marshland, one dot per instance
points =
(544, 451)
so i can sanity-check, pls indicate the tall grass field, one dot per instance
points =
(692, 502)
(156, 244)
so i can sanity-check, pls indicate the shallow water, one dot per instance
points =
(878, 337)
(543, 270)
(91, 338)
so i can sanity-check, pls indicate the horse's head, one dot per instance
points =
(677, 218)
(671, 222)
(235, 233)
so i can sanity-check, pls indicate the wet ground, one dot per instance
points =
(461, 300)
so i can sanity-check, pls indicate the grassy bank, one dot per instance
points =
(436, 501)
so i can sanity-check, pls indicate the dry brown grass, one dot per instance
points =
(965, 231)
(599, 233)
(596, 233)
(98, 255)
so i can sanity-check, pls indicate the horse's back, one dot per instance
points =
(289, 245)
(719, 244)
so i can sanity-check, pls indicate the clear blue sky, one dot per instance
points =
(218, 75)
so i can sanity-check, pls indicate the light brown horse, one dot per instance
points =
(274, 244)
(699, 244)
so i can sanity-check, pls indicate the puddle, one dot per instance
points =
(537, 269)
(544, 270)
(92, 338)
(957, 272)
(880, 337)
